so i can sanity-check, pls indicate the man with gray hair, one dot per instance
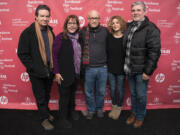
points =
(142, 45)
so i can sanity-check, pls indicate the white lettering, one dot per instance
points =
(73, 1)
(3, 3)
(114, 2)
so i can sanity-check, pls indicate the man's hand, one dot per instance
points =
(145, 76)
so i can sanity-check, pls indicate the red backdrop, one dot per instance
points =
(16, 15)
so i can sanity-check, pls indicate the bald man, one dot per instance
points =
(94, 60)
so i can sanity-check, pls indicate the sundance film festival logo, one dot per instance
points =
(176, 100)
(4, 9)
(152, 6)
(178, 9)
(3, 77)
(165, 51)
(25, 77)
(9, 88)
(1, 51)
(3, 100)
(19, 22)
(106, 19)
(3, 3)
(112, 6)
(3, 35)
(72, 1)
(175, 65)
(53, 21)
(108, 10)
(30, 5)
(66, 8)
(156, 100)
(177, 38)
(28, 101)
(165, 24)
(160, 78)
(81, 20)
(107, 101)
(67, 5)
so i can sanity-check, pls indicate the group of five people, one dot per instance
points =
(123, 50)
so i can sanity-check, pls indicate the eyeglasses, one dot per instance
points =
(72, 23)
(94, 18)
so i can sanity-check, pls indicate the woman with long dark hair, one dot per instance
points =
(66, 60)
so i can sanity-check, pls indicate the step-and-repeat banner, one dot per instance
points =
(16, 15)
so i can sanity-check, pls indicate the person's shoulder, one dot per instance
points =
(153, 26)
(59, 36)
(104, 28)
(51, 28)
(29, 29)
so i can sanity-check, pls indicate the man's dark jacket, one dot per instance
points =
(29, 54)
(145, 48)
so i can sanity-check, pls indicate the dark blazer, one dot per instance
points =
(29, 54)
(145, 47)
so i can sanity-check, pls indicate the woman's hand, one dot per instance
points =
(58, 78)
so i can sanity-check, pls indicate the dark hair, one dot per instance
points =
(66, 23)
(41, 7)
(121, 21)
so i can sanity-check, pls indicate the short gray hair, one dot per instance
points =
(139, 3)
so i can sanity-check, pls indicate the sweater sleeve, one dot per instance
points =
(55, 52)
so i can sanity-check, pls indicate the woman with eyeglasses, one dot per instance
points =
(66, 61)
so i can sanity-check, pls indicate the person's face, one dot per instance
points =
(72, 26)
(137, 13)
(116, 25)
(93, 19)
(43, 17)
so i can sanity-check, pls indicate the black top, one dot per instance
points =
(115, 55)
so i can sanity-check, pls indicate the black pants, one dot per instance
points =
(41, 89)
(67, 99)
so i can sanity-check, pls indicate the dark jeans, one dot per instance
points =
(41, 88)
(138, 88)
(67, 99)
(116, 88)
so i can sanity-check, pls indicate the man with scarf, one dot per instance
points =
(35, 52)
(94, 60)
(143, 44)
